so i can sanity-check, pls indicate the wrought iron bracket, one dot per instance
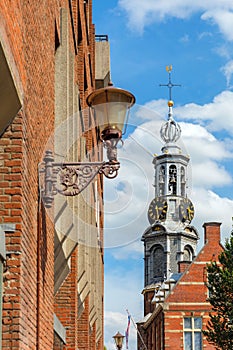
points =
(70, 179)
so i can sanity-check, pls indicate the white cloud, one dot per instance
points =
(202, 145)
(223, 18)
(224, 51)
(209, 174)
(142, 14)
(130, 193)
(210, 207)
(152, 110)
(217, 115)
(184, 39)
(114, 322)
(132, 251)
(124, 289)
(228, 71)
(204, 35)
(135, 182)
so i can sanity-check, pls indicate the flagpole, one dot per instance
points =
(135, 326)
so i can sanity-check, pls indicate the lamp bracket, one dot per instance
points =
(70, 179)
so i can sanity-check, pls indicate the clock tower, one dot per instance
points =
(170, 240)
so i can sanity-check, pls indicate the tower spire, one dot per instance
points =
(170, 85)
(170, 239)
(170, 131)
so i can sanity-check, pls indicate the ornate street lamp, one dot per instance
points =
(118, 338)
(110, 106)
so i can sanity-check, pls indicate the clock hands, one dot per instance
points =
(186, 210)
(161, 209)
(157, 209)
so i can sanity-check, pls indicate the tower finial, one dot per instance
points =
(170, 131)
(170, 85)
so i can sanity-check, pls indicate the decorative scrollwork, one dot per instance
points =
(74, 179)
(69, 179)
(67, 176)
(110, 170)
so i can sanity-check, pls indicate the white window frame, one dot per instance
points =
(192, 330)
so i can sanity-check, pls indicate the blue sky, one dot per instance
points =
(197, 40)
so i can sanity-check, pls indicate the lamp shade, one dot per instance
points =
(111, 105)
(118, 338)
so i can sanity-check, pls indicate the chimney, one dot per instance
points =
(212, 232)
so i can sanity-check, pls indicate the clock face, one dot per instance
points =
(157, 210)
(186, 210)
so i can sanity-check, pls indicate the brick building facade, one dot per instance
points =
(52, 298)
(179, 312)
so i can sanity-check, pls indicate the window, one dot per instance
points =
(157, 264)
(182, 181)
(192, 333)
(188, 256)
(172, 180)
(161, 180)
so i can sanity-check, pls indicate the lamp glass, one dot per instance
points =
(111, 105)
(111, 115)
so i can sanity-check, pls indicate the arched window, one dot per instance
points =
(161, 180)
(188, 253)
(182, 181)
(172, 186)
(157, 264)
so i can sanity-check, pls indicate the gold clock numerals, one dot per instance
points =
(190, 212)
(186, 210)
(157, 210)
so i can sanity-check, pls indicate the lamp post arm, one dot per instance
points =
(70, 179)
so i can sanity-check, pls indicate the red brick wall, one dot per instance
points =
(28, 278)
(66, 305)
(183, 265)
(27, 32)
(211, 232)
(148, 306)
(188, 298)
